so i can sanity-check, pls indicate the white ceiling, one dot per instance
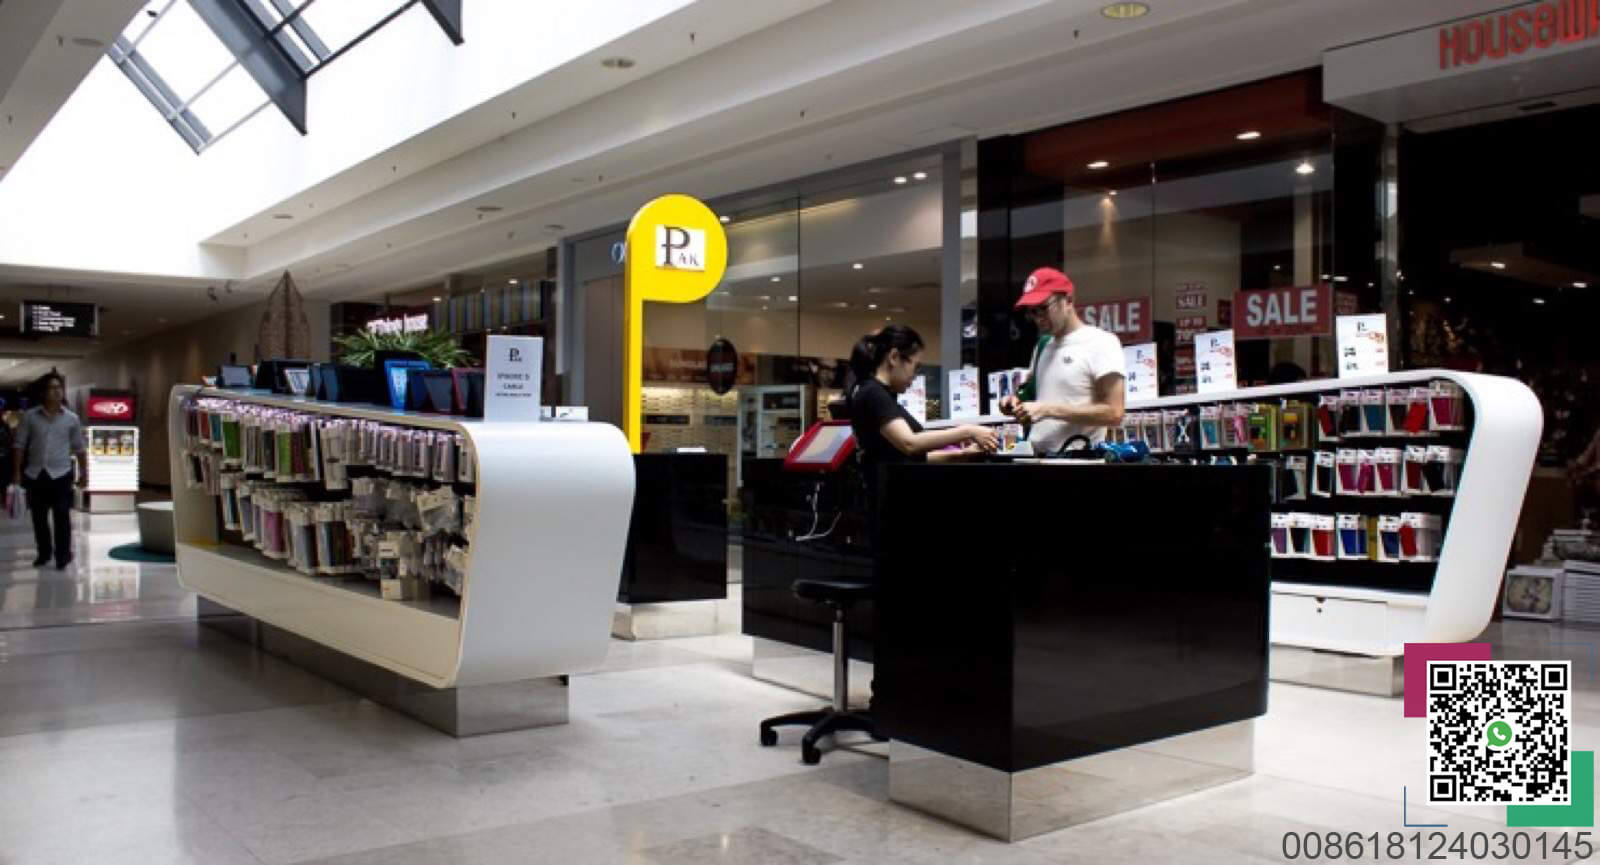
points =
(848, 81)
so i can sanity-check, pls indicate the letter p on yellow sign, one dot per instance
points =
(676, 253)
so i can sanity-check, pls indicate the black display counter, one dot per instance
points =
(778, 509)
(1035, 620)
(678, 538)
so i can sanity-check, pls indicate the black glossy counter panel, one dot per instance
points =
(678, 537)
(1031, 613)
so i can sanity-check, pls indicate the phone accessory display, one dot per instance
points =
(1353, 529)
(1323, 473)
(1280, 535)
(1263, 429)
(1328, 407)
(1386, 472)
(1420, 537)
(1293, 479)
(1294, 426)
(1180, 429)
(1348, 477)
(1300, 526)
(1388, 546)
(1446, 407)
(1322, 537)
(1413, 477)
(1442, 472)
(1210, 427)
(1374, 413)
(1350, 414)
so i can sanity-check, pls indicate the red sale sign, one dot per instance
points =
(1305, 310)
(1128, 318)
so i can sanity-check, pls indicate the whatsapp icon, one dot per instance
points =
(1498, 734)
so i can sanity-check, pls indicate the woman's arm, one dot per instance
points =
(899, 434)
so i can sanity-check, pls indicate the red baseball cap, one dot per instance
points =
(1043, 283)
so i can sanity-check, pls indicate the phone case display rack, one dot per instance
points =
(1396, 496)
(449, 551)
(113, 458)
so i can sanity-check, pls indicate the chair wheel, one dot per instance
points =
(769, 737)
(809, 755)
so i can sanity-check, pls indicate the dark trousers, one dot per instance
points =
(49, 496)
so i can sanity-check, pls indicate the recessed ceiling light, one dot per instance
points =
(724, 293)
(876, 289)
(553, 227)
(1580, 285)
(1099, 164)
(1248, 135)
(765, 308)
(1447, 300)
(438, 300)
(489, 208)
(1498, 265)
(919, 175)
(839, 304)
(857, 266)
(283, 216)
(1124, 11)
(1538, 300)
(1341, 279)
(87, 42)
(872, 306)
(1112, 193)
(777, 279)
(1277, 267)
(764, 297)
(794, 298)
(724, 219)
(888, 318)
(1324, 277)
(900, 179)
(1305, 167)
(617, 63)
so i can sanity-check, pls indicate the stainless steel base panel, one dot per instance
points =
(1012, 806)
(664, 621)
(806, 670)
(1381, 675)
(462, 712)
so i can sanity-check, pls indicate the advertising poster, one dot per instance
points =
(1142, 381)
(963, 390)
(915, 399)
(1215, 363)
(1363, 345)
(513, 378)
(1191, 296)
(1190, 326)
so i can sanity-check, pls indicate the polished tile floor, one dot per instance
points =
(145, 739)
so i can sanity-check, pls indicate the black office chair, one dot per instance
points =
(838, 594)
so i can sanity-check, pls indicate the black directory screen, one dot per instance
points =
(49, 318)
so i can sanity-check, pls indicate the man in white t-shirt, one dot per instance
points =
(1076, 381)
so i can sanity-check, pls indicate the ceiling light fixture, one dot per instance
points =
(1305, 167)
(1341, 279)
(919, 175)
(1580, 285)
(1277, 267)
(901, 179)
(1324, 277)
(511, 282)
(554, 227)
(1539, 300)
(1447, 300)
(794, 298)
(87, 42)
(438, 300)
(857, 266)
(764, 297)
(617, 63)
(872, 306)
(1124, 11)
(283, 216)
(1248, 135)
(1498, 265)
(1099, 164)
(489, 208)
(777, 279)
(1112, 193)
(724, 219)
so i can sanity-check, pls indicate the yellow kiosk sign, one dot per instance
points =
(676, 253)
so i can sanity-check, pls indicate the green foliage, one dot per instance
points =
(440, 349)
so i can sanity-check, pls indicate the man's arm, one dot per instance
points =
(19, 448)
(80, 451)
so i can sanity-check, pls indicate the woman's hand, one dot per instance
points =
(982, 437)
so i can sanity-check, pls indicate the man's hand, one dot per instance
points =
(1008, 404)
(1033, 412)
(16, 479)
(83, 480)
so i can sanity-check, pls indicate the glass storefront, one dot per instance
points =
(1168, 217)
(813, 266)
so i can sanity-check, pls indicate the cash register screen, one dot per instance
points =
(823, 448)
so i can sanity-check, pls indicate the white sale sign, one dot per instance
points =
(1363, 344)
(1215, 363)
(1142, 380)
(915, 399)
(513, 378)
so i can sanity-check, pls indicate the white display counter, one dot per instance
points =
(545, 550)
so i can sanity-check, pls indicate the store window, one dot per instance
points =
(813, 266)
(1207, 213)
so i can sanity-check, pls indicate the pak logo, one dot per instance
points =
(680, 248)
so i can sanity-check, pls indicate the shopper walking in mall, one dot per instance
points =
(48, 442)
(1076, 381)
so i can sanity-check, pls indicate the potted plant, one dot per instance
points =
(440, 350)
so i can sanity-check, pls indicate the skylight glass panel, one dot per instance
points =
(340, 22)
(184, 51)
(229, 101)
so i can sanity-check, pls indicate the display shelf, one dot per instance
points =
(546, 547)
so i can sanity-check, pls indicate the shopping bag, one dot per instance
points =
(16, 502)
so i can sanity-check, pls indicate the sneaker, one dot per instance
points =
(61, 564)
(42, 561)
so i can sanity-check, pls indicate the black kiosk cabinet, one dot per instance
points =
(1057, 642)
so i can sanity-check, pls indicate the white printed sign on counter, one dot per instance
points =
(1215, 364)
(963, 390)
(915, 399)
(513, 378)
(1142, 381)
(1363, 344)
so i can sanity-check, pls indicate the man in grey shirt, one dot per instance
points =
(49, 440)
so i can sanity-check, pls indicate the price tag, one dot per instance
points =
(1215, 362)
(1363, 342)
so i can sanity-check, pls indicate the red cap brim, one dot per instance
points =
(1035, 297)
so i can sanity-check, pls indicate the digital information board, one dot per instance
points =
(49, 318)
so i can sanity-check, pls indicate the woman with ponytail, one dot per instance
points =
(883, 365)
